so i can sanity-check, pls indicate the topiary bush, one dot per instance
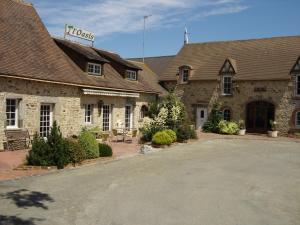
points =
(58, 146)
(40, 153)
(76, 152)
(226, 127)
(89, 143)
(213, 121)
(161, 138)
(105, 150)
(172, 134)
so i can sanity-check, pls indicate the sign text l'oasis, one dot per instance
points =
(80, 33)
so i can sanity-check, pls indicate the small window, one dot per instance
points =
(298, 85)
(131, 75)
(298, 119)
(94, 69)
(227, 85)
(185, 75)
(11, 113)
(88, 113)
(106, 118)
(144, 112)
(227, 114)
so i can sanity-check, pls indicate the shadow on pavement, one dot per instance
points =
(13, 220)
(24, 198)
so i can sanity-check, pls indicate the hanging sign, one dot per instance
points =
(79, 33)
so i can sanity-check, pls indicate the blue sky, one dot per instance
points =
(118, 24)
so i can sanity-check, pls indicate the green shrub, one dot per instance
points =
(105, 150)
(149, 132)
(76, 152)
(212, 125)
(185, 132)
(89, 143)
(40, 153)
(161, 138)
(58, 146)
(172, 134)
(226, 127)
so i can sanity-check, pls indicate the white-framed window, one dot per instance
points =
(131, 75)
(11, 113)
(226, 85)
(46, 119)
(128, 117)
(88, 113)
(297, 119)
(95, 69)
(227, 114)
(297, 85)
(106, 118)
(185, 75)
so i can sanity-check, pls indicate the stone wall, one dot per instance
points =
(68, 105)
(206, 93)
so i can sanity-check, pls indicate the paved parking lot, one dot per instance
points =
(211, 182)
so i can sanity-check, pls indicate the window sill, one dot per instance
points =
(227, 95)
(13, 128)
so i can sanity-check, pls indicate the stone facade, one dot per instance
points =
(68, 106)
(206, 93)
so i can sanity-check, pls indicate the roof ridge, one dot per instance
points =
(151, 57)
(23, 2)
(243, 40)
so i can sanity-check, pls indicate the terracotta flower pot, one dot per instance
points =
(272, 133)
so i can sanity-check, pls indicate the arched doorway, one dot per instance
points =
(259, 114)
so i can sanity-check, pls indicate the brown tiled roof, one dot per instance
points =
(115, 57)
(27, 51)
(157, 64)
(148, 76)
(88, 52)
(257, 59)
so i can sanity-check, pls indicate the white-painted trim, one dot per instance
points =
(131, 116)
(110, 117)
(222, 85)
(110, 93)
(16, 126)
(94, 64)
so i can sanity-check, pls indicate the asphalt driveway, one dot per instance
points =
(218, 182)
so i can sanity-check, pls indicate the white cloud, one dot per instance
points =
(106, 17)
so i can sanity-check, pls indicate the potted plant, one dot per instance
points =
(242, 128)
(273, 132)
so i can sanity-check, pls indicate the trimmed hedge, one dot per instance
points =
(161, 138)
(89, 143)
(76, 152)
(226, 127)
(105, 150)
(185, 132)
(172, 134)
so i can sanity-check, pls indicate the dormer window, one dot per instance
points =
(227, 71)
(131, 75)
(226, 85)
(184, 72)
(94, 69)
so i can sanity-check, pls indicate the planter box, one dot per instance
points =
(242, 132)
(273, 134)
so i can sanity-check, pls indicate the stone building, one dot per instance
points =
(44, 79)
(253, 80)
